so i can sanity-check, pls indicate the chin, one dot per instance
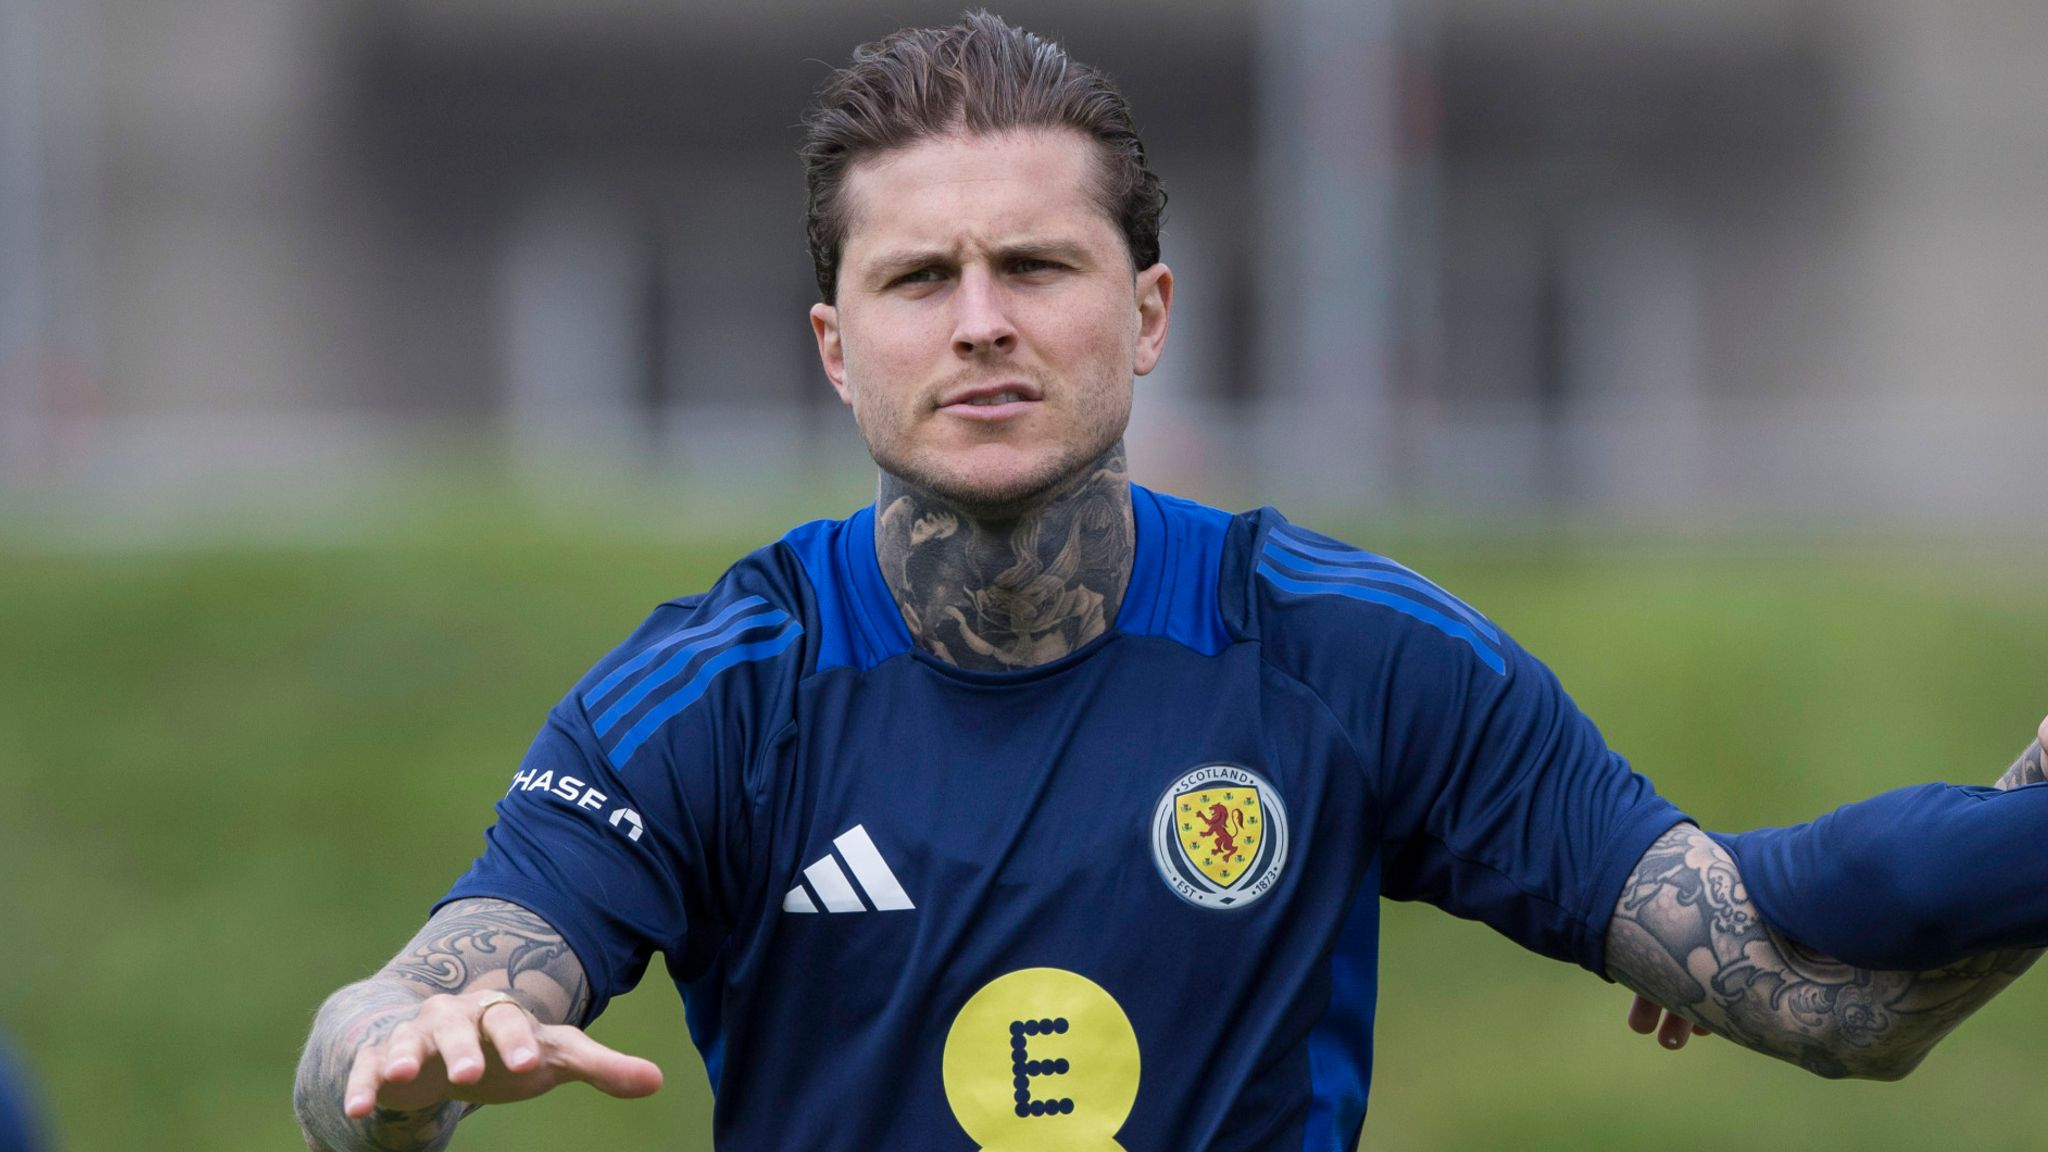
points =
(991, 487)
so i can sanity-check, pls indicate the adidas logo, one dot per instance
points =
(838, 893)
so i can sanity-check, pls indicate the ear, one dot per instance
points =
(1155, 314)
(831, 353)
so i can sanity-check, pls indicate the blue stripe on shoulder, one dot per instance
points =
(1448, 625)
(673, 705)
(646, 655)
(1365, 568)
(674, 665)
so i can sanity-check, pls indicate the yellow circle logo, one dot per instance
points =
(1042, 1059)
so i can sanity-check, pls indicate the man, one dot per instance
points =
(1029, 808)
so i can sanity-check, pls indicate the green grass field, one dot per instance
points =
(233, 780)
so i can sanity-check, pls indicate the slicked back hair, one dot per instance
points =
(982, 77)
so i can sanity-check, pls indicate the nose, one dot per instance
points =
(981, 322)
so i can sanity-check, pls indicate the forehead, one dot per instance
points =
(962, 190)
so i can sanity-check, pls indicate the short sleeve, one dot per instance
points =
(624, 823)
(572, 844)
(1505, 805)
(1498, 799)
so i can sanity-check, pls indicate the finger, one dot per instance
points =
(578, 1057)
(405, 1053)
(2044, 732)
(1642, 1016)
(1701, 1030)
(1675, 1031)
(462, 1054)
(360, 1096)
(510, 1032)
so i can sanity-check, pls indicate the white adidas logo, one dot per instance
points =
(837, 892)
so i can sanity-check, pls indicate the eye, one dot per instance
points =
(1029, 265)
(925, 275)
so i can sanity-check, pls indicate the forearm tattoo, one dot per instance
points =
(1013, 591)
(356, 1017)
(1686, 935)
(470, 944)
(2028, 769)
(492, 944)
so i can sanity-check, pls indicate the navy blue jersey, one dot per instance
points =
(1128, 899)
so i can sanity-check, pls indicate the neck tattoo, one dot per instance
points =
(1016, 591)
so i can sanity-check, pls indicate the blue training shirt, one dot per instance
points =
(1128, 899)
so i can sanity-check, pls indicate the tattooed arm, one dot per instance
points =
(394, 1061)
(1686, 936)
(2030, 768)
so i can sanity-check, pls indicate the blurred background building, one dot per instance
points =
(1699, 262)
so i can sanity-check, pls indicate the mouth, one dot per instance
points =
(1005, 397)
(993, 402)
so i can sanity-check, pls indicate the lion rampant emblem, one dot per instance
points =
(1222, 826)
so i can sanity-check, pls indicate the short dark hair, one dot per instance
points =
(981, 76)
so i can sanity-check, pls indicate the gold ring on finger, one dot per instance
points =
(492, 1001)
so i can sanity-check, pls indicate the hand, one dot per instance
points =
(1676, 1030)
(480, 1048)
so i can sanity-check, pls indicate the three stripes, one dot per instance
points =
(633, 701)
(837, 892)
(1308, 565)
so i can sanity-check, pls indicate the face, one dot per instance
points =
(988, 321)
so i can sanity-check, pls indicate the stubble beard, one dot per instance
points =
(1005, 500)
(924, 472)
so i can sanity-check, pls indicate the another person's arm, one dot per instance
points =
(1687, 936)
(21, 1129)
(396, 1060)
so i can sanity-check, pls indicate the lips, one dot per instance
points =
(989, 395)
(990, 401)
(1004, 397)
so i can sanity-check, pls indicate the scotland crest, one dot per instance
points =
(1219, 836)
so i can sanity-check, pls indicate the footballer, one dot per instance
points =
(1031, 808)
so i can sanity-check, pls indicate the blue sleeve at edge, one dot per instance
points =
(1908, 880)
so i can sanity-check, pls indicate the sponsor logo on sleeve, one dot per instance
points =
(570, 790)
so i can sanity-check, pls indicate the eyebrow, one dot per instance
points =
(1063, 250)
(888, 265)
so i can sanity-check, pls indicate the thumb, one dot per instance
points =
(577, 1057)
(2044, 734)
